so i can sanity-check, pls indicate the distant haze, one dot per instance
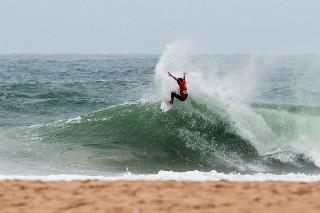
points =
(146, 26)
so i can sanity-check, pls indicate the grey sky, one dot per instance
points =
(146, 26)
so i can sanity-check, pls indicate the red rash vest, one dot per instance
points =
(183, 88)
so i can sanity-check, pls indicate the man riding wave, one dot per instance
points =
(182, 87)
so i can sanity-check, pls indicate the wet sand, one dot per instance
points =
(158, 196)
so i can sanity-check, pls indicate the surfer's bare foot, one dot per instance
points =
(170, 102)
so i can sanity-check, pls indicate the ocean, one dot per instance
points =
(74, 116)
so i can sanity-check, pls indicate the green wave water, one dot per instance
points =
(139, 138)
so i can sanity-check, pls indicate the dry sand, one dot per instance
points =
(158, 196)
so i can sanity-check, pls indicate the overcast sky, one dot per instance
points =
(146, 26)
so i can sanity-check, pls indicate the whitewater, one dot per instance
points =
(247, 117)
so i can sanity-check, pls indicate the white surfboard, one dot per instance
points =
(165, 106)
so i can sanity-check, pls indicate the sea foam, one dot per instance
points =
(176, 176)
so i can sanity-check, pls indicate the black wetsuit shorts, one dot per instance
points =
(175, 95)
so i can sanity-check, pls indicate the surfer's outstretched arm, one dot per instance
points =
(172, 76)
(184, 76)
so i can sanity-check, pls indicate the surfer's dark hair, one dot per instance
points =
(180, 79)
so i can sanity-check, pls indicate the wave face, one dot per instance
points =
(139, 138)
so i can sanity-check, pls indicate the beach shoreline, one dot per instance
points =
(158, 196)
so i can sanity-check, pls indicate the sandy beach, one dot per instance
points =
(158, 196)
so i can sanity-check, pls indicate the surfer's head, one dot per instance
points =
(180, 79)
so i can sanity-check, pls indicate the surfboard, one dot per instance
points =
(165, 107)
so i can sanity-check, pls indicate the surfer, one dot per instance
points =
(182, 87)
